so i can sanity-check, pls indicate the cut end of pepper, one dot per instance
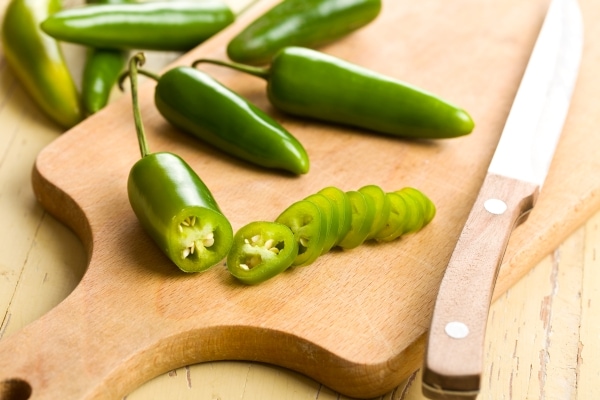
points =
(201, 239)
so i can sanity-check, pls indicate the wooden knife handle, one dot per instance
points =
(454, 355)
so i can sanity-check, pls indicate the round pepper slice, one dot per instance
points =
(342, 208)
(382, 208)
(304, 219)
(330, 218)
(415, 215)
(260, 251)
(426, 204)
(394, 227)
(363, 212)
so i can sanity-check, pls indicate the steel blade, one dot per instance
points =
(539, 110)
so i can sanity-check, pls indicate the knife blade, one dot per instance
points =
(454, 355)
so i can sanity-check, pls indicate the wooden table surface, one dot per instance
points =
(542, 337)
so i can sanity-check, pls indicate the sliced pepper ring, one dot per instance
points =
(363, 211)
(415, 211)
(427, 205)
(260, 251)
(330, 218)
(342, 207)
(382, 208)
(394, 227)
(304, 219)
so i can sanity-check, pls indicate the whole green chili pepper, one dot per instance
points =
(308, 23)
(199, 105)
(161, 25)
(172, 203)
(101, 71)
(37, 61)
(308, 83)
(100, 74)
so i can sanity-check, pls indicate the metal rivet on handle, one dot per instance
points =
(495, 206)
(457, 330)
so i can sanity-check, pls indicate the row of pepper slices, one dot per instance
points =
(190, 228)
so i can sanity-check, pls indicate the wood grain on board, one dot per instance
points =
(353, 320)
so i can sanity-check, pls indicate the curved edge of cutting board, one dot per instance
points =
(93, 352)
(94, 360)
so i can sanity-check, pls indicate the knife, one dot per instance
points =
(454, 355)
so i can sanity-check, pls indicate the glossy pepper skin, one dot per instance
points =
(196, 103)
(161, 25)
(172, 203)
(308, 83)
(101, 72)
(37, 61)
(178, 211)
(308, 23)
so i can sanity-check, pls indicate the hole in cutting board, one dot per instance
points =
(15, 389)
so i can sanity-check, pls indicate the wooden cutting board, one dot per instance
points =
(354, 320)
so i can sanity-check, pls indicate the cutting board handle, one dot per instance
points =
(63, 354)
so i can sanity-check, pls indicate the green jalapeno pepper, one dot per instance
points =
(260, 251)
(161, 25)
(196, 103)
(101, 71)
(37, 61)
(100, 74)
(173, 205)
(308, 83)
(308, 23)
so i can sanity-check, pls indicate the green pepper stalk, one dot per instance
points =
(172, 203)
(101, 72)
(199, 105)
(160, 25)
(308, 83)
(307, 23)
(37, 61)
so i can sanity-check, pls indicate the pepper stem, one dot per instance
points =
(134, 62)
(256, 71)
